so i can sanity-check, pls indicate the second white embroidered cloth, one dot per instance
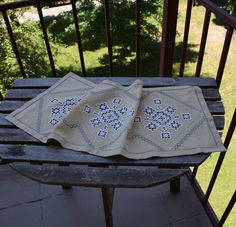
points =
(109, 119)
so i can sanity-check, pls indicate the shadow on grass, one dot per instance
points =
(149, 64)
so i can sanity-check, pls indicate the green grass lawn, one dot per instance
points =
(68, 59)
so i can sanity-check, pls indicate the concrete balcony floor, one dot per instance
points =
(25, 203)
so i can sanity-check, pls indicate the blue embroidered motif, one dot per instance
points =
(175, 125)
(162, 118)
(157, 101)
(56, 110)
(53, 122)
(116, 101)
(165, 135)
(186, 116)
(108, 116)
(95, 122)
(148, 110)
(87, 109)
(152, 126)
(61, 107)
(102, 106)
(102, 133)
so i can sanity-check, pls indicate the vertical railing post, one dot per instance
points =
(78, 36)
(168, 36)
(46, 39)
(224, 55)
(203, 42)
(13, 43)
(185, 39)
(138, 22)
(108, 33)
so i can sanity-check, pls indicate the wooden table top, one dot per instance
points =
(17, 145)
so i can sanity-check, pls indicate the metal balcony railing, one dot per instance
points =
(170, 13)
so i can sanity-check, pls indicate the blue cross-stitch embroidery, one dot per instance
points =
(165, 135)
(157, 101)
(166, 120)
(53, 122)
(108, 116)
(62, 107)
(102, 133)
(186, 116)
(87, 109)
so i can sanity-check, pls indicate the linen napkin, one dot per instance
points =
(109, 119)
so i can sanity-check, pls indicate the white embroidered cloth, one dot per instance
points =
(109, 119)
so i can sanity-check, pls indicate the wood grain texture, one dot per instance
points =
(59, 155)
(98, 177)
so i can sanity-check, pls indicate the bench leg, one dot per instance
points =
(175, 185)
(107, 196)
(66, 187)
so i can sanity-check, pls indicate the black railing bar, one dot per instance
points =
(46, 40)
(228, 18)
(195, 169)
(221, 158)
(227, 210)
(185, 39)
(13, 43)
(138, 24)
(24, 3)
(224, 55)
(78, 37)
(203, 42)
(1, 96)
(200, 194)
(108, 34)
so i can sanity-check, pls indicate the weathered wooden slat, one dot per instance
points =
(5, 123)
(216, 107)
(210, 94)
(219, 122)
(15, 136)
(148, 81)
(22, 94)
(97, 177)
(9, 106)
(59, 155)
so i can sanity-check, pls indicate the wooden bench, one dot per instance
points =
(18, 146)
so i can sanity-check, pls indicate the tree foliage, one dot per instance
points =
(123, 25)
(31, 47)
